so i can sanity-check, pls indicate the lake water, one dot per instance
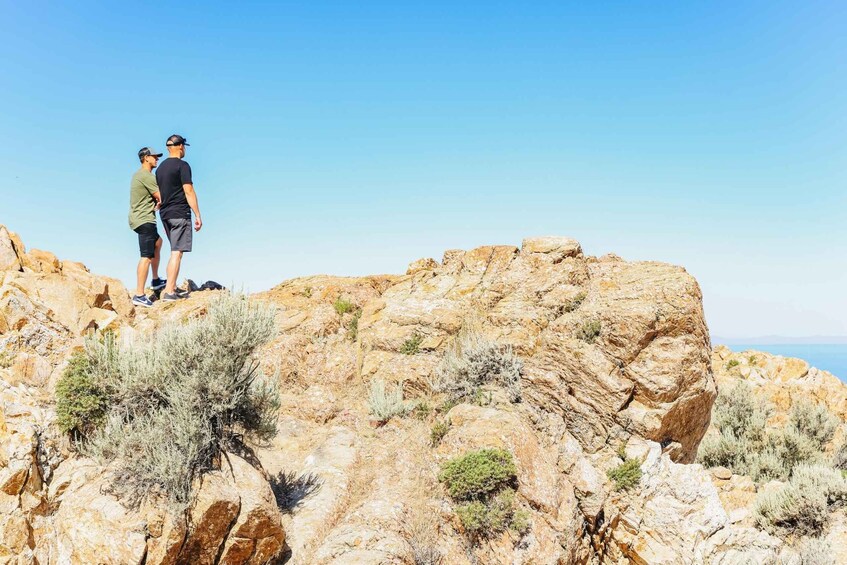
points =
(827, 356)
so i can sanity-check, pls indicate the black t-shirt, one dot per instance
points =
(171, 174)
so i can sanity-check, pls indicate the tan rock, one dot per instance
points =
(41, 261)
(258, 525)
(557, 247)
(93, 527)
(426, 264)
(9, 260)
(214, 508)
(677, 509)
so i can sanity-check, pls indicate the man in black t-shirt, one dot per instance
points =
(178, 201)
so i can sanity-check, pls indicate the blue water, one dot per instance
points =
(827, 356)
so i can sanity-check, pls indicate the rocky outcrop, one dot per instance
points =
(614, 354)
(646, 371)
(780, 380)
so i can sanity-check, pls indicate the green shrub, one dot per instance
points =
(342, 306)
(481, 520)
(802, 506)
(81, 404)
(574, 303)
(175, 404)
(307, 292)
(472, 361)
(422, 410)
(353, 326)
(732, 363)
(439, 430)
(7, 359)
(745, 445)
(813, 421)
(383, 403)
(589, 331)
(839, 458)
(478, 474)
(626, 475)
(412, 346)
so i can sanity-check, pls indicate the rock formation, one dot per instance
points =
(615, 356)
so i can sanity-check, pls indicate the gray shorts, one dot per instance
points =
(179, 233)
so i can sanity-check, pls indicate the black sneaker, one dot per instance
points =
(173, 297)
(182, 293)
(158, 284)
(142, 301)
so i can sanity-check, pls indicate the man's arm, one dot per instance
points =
(158, 198)
(191, 197)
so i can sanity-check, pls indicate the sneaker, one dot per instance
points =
(142, 301)
(158, 284)
(173, 297)
(182, 293)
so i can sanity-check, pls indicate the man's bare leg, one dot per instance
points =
(157, 254)
(141, 278)
(173, 271)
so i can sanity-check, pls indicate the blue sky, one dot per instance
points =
(353, 138)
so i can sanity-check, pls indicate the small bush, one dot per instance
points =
(81, 404)
(626, 475)
(420, 529)
(439, 430)
(353, 326)
(574, 303)
(813, 421)
(472, 361)
(589, 331)
(412, 346)
(342, 306)
(815, 551)
(478, 473)
(7, 359)
(839, 459)
(745, 444)
(422, 410)
(801, 507)
(732, 363)
(384, 404)
(176, 404)
(307, 292)
(482, 520)
(483, 482)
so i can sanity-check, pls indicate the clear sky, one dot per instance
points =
(354, 137)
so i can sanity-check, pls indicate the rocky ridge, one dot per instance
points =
(615, 355)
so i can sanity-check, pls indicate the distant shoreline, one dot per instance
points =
(781, 340)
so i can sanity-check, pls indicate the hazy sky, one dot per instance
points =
(354, 137)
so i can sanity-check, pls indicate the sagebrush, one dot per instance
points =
(472, 361)
(746, 445)
(384, 403)
(173, 405)
(801, 507)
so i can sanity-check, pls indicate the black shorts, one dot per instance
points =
(147, 238)
(179, 233)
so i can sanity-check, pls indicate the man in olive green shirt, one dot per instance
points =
(144, 200)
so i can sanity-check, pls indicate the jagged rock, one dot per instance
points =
(676, 511)
(9, 260)
(556, 247)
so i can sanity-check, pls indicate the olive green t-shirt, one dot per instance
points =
(142, 205)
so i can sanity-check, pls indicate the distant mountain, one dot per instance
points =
(780, 339)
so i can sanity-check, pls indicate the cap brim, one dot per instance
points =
(157, 154)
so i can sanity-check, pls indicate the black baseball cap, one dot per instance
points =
(176, 140)
(145, 151)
